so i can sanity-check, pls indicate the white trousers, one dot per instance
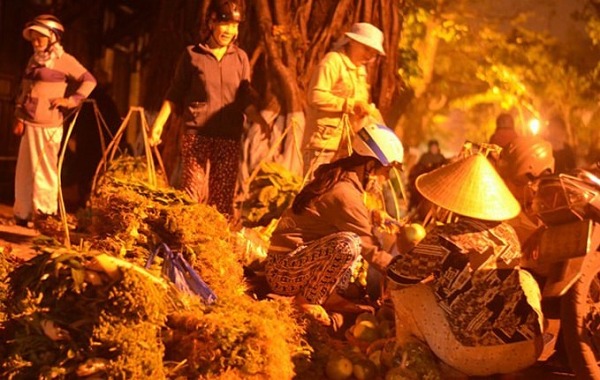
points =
(36, 179)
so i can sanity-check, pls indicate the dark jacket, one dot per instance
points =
(211, 95)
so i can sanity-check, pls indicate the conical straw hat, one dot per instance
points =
(469, 187)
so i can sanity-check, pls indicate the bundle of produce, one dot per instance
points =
(130, 168)
(270, 193)
(237, 337)
(77, 314)
(117, 210)
(202, 234)
(7, 263)
(252, 244)
(414, 361)
(118, 214)
(130, 217)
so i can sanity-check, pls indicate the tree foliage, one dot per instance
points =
(465, 55)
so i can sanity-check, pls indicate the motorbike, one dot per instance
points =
(565, 255)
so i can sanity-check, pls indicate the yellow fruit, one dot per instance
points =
(415, 232)
(375, 357)
(364, 370)
(366, 331)
(338, 368)
(93, 278)
(354, 349)
(366, 317)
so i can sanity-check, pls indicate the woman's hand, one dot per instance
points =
(155, 134)
(361, 108)
(18, 127)
(63, 102)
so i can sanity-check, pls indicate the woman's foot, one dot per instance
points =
(317, 312)
(335, 302)
(21, 222)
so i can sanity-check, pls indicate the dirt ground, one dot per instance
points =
(19, 240)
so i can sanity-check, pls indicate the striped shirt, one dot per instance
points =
(42, 85)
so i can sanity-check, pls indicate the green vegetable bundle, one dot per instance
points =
(270, 193)
(236, 338)
(75, 314)
(130, 217)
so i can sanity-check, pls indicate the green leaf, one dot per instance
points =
(78, 278)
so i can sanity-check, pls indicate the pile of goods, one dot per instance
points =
(95, 313)
(237, 338)
(131, 218)
(76, 314)
(369, 352)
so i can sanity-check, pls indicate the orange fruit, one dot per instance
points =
(384, 328)
(365, 370)
(415, 232)
(366, 317)
(375, 357)
(338, 368)
(366, 331)
(385, 313)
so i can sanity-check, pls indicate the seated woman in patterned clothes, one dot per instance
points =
(479, 312)
(328, 228)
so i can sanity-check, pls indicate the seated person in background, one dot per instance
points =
(321, 237)
(505, 131)
(480, 312)
(430, 160)
(524, 160)
(564, 155)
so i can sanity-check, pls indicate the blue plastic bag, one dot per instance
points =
(180, 272)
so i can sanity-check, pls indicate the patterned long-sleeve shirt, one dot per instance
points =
(487, 297)
(42, 85)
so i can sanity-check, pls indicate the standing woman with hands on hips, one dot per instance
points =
(39, 116)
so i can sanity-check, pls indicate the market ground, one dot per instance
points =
(20, 240)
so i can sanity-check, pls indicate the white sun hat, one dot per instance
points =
(46, 25)
(367, 35)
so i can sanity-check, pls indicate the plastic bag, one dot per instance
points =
(180, 272)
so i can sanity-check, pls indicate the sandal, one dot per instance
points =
(315, 311)
(335, 302)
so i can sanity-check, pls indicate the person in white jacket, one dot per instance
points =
(339, 96)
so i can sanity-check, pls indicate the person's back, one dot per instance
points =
(505, 131)
(564, 155)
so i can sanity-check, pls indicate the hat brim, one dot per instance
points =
(38, 28)
(469, 187)
(367, 42)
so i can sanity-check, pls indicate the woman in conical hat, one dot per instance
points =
(480, 314)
